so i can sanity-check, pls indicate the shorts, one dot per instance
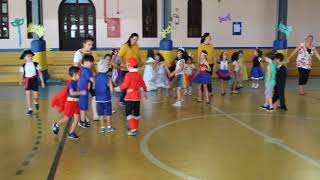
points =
(303, 76)
(104, 108)
(71, 108)
(179, 81)
(32, 84)
(269, 89)
(84, 103)
(133, 108)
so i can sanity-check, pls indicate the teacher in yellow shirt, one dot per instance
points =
(206, 44)
(128, 50)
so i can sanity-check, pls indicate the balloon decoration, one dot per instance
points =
(37, 29)
(17, 23)
(287, 30)
(225, 18)
(168, 30)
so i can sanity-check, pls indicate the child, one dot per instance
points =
(279, 90)
(117, 78)
(223, 72)
(270, 81)
(68, 104)
(104, 88)
(235, 72)
(160, 79)
(256, 71)
(243, 69)
(148, 71)
(189, 69)
(30, 71)
(203, 78)
(132, 83)
(86, 77)
(179, 75)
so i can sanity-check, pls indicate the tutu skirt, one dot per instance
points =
(160, 80)
(202, 78)
(256, 73)
(224, 75)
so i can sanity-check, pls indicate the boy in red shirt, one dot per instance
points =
(132, 83)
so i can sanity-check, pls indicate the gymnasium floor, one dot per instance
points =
(229, 140)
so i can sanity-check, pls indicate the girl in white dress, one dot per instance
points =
(148, 71)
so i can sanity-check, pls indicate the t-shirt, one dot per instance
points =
(74, 86)
(189, 69)
(85, 76)
(224, 64)
(256, 61)
(209, 49)
(78, 55)
(29, 69)
(103, 93)
(127, 52)
(180, 63)
(272, 80)
(236, 66)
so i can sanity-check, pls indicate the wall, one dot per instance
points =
(258, 18)
(304, 17)
(258, 22)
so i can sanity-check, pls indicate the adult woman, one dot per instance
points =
(87, 46)
(305, 52)
(128, 50)
(206, 45)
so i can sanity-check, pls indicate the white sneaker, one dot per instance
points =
(177, 104)
(253, 85)
(257, 86)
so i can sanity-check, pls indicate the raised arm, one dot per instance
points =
(293, 53)
(317, 54)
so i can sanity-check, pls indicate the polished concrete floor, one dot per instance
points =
(231, 139)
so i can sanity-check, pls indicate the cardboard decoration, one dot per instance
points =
(37, 29)
(17, 22)
(287, 30)
(113, 27)
(224, 18)
(168, 30)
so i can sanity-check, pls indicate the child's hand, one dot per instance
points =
(130, 90)
(43, 85)
(83, 92)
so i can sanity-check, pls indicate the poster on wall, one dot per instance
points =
(113, 27)
(237, 28)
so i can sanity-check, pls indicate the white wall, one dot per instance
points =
(258, 18)
(303, 16)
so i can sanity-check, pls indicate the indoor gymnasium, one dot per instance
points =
(159, 89)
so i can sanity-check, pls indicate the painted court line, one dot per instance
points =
(56, 159)
(268, 139)
(280, 144)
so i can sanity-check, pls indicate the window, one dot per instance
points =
(194, 18)
(4, 19)
(149, 18)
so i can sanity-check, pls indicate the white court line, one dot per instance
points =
(146, 152)
(280, 144)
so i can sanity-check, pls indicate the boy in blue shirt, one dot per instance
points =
(104, 88)
(86, 78)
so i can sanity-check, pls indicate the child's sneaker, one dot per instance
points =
(270, 109)
(37, 106)
(55, 129)
(110, 129)
(83, 124)
(29, 112)
(257, 86)
(177, 104)
(132, 133)
(253, 85)
(73, 136)
(102, 129)
(264, 107)
(87, 124)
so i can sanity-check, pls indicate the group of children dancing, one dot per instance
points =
(178, 76)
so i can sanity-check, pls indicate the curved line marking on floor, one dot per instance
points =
(146, 152)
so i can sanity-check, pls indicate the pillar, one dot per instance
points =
(280, 44)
